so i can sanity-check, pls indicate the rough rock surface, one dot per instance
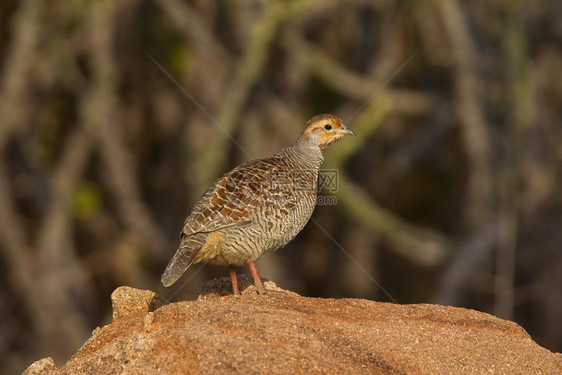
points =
(285, 333)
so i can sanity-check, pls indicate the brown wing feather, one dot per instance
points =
(237, 196)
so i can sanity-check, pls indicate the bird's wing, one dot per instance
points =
(237, 197)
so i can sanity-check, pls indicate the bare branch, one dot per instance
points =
(471, 114)
(102, 118)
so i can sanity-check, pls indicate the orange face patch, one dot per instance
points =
(327, 127)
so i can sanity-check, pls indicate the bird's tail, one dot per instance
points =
(184, 257)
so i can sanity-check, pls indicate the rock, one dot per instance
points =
(127, 301)
(42, 366)
(284, 333)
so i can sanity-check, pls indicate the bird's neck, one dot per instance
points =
(305, 153)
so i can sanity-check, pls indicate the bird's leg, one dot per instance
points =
(260, 288)
(232, 272)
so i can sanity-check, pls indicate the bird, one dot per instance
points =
(259, 206)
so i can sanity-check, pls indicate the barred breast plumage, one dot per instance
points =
(258, 206)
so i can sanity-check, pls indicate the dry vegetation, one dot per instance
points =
(116, 115)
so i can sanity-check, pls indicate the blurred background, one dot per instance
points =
(115, 116)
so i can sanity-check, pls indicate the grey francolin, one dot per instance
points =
(258, 206)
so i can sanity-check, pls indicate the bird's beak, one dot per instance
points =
(346, 131)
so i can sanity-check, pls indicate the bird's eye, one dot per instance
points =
(328, 127)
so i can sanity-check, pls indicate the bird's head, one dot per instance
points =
(323, 130)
